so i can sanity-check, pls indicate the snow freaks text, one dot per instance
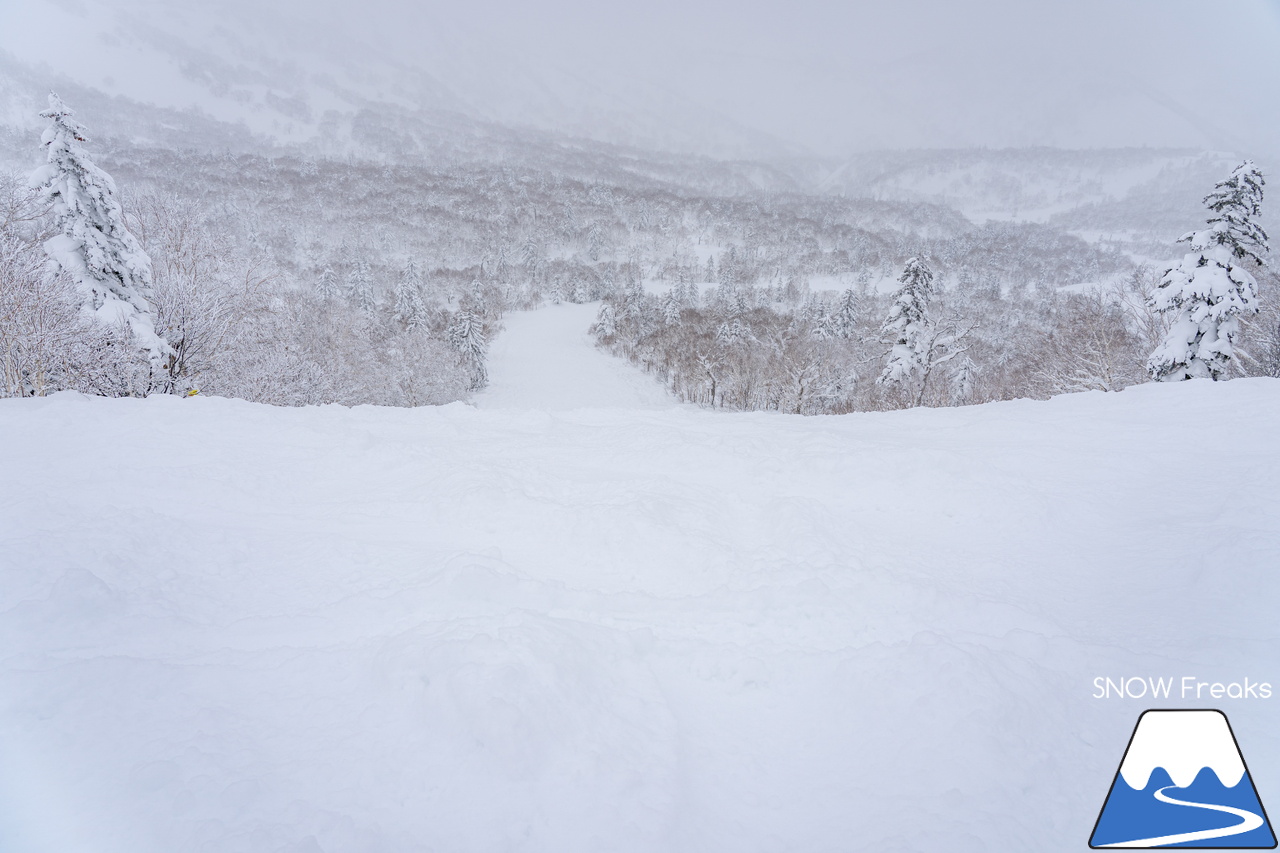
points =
(1186, 687)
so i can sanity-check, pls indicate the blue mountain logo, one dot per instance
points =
(1183, 783)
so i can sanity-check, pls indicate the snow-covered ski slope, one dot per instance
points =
(546, 360)
(230, 627)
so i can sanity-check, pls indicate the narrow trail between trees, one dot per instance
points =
(545, 359)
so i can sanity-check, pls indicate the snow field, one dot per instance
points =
(230, 627)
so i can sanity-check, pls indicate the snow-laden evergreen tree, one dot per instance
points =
(918, 343)
(822, 328)
(733, 331)
(410, 308)
(466, 335)
(693, 295)
(595, 241)
(686, 294)
(606, 322)
(360, 286)
(532, 256)
(723, 296)
(111, 272)
(962, 379)
(1211, 287)
(327, 285)
(479, 300)
(908, 326)
(844, 319)
(670, 308)
(632, 298)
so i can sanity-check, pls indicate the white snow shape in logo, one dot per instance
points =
(1183, 743)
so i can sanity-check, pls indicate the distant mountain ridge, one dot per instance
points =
(225, 94)
(293, 82)
(1101, 189)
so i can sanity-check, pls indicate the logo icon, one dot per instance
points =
(1183, 783)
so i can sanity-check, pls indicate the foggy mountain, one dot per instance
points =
(291, 82)
(729, 82)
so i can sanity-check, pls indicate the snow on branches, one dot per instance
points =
(918, 343)
(467, 335)
(410, 309)
(111, 271)
(1208, 291)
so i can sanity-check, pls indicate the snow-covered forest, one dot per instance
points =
(298, 281)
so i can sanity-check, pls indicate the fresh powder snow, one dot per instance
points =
(579, 617)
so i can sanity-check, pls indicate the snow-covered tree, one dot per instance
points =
(686, 294)
(327, 285)
(40, 324)
(111, 272)
(632, 299)
(1208, 291)
(479, 298)
(844, 319)
(409, 308)
(532, 255)
(466, 335)
(1092, 348)
(823, 326)
(962, 380)
(671, 308)
(606, 325)
(191, 268)
(918, 344)
(595, 241)
(360, 286)
(908, 325)
(733, 331)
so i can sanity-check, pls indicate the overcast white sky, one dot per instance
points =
(831, 76)
(837, 75)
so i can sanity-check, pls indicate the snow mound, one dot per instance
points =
(231, 627)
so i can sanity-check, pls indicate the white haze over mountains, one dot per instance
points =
(730, 80)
